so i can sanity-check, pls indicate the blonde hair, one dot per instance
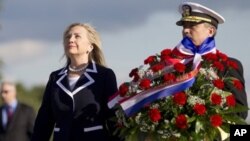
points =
(96, 54)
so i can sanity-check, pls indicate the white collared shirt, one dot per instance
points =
(72, 81)
(13, 106)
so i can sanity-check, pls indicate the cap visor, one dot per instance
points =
(179, 23)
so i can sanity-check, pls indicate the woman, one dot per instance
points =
(75, 99)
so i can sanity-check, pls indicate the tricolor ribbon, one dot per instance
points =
(135, 103)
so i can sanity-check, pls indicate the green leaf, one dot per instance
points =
(234, 119)
(237, 109)
(212, 133)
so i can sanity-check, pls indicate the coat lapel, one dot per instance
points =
(84, 81)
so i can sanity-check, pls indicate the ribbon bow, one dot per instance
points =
(187, 47)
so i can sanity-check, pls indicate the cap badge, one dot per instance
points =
(186, 10)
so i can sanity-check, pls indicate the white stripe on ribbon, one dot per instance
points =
(114, 100)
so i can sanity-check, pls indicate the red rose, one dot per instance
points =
(179, 67)
(157, 67)
(232, 64)
(181, 121)
(215, 99)
(216, 120)
(218, 83)
(223, 57)
(169, 77)
(134, 73)
(218, 65)
(154, 115)
(149, 60)
(180, 98)
(145, 83)
(136, 78)
(210, 57)
(230, 101)
(166, 52)
(237, 84)
(123, 89)
(199, 109)
(165, 58)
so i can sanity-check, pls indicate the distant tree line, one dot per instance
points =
(32, 96)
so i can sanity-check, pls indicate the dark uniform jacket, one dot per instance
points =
(20, 127)
(80, 114)
(240, 96)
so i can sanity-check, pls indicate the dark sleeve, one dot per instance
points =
(110, 89)
(45, 121)
(240, 95)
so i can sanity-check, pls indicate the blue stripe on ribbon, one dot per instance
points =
(168, 91)
(206, 46)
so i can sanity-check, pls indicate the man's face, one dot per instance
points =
(197, 32)
(8, 93)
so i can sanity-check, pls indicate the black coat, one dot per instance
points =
(21, 126)
(240, 96)
(80, 114)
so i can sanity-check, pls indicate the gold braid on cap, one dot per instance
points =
(196, 19)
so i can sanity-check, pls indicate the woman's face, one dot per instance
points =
(76, 41)
(198, 33)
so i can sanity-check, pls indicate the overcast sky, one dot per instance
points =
(31, 33)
